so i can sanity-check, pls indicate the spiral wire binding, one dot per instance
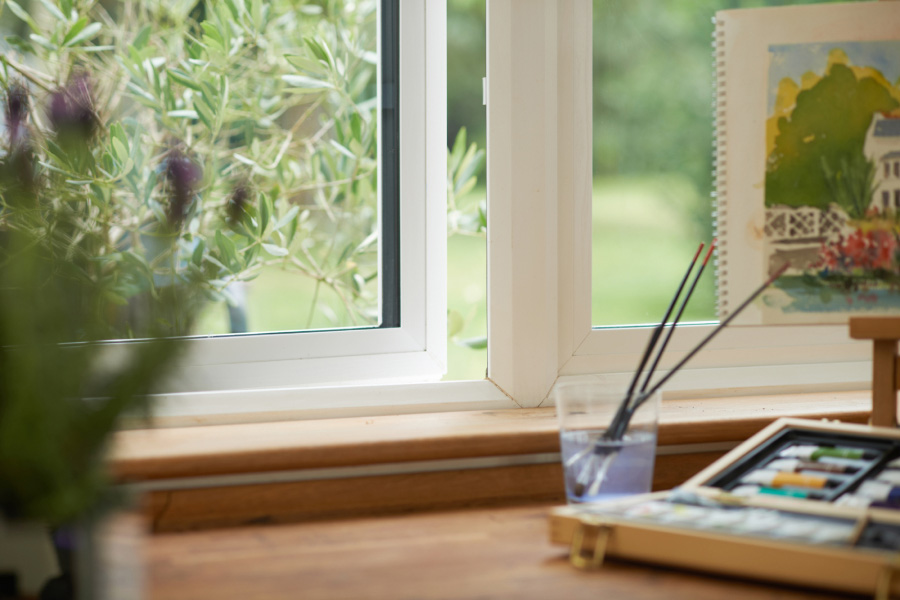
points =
(720, 165)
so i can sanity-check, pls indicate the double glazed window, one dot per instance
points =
(265, 141)
(334, 113)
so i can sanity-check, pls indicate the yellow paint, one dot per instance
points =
(798, 480)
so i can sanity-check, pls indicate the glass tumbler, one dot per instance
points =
(599, 465)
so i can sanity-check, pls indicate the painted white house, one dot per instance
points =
(882, 147)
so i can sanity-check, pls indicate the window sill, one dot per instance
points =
(231, 474)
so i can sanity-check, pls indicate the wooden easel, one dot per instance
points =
(884, 333)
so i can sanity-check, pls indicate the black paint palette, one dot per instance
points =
(799, 459)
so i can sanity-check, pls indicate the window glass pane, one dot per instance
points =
(247, 133)
(467, 205)
(652, 154)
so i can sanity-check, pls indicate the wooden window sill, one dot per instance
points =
(263, 472)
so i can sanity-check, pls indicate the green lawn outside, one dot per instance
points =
(278, 300)
(466, 297)
(644, 238)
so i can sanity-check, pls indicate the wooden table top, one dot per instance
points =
(474, 553)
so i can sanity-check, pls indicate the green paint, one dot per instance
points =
(838, 453)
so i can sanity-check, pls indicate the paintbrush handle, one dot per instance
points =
(684, 302)
(659, 328)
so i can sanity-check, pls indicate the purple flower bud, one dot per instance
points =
(17, 172)
(17, 103)
(237, 202)
(182, 175)
(59, 108)
(71, 108)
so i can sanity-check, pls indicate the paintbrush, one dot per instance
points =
(627, 408)
(657, 331)
(648, 351)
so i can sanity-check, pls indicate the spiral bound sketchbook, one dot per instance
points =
(808, 160)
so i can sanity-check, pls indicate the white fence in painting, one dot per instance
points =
(803, 224)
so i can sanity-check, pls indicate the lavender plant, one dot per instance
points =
(60, 395)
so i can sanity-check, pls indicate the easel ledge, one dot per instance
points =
(884, 333)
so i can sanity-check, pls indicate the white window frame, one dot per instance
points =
(538, 91)
(414, 351)
(357, 372)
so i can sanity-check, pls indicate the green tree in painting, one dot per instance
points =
(823, 136)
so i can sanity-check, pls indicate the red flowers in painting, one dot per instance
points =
(861, 252)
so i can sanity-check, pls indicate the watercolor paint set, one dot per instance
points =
(810, 503)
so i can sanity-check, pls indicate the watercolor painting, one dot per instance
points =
(832, 185)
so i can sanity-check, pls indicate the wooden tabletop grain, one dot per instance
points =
(463, 554)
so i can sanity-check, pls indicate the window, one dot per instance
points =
(549, 160)
(539, 147)
(415, 350)
(539, 278)
(338, 124)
